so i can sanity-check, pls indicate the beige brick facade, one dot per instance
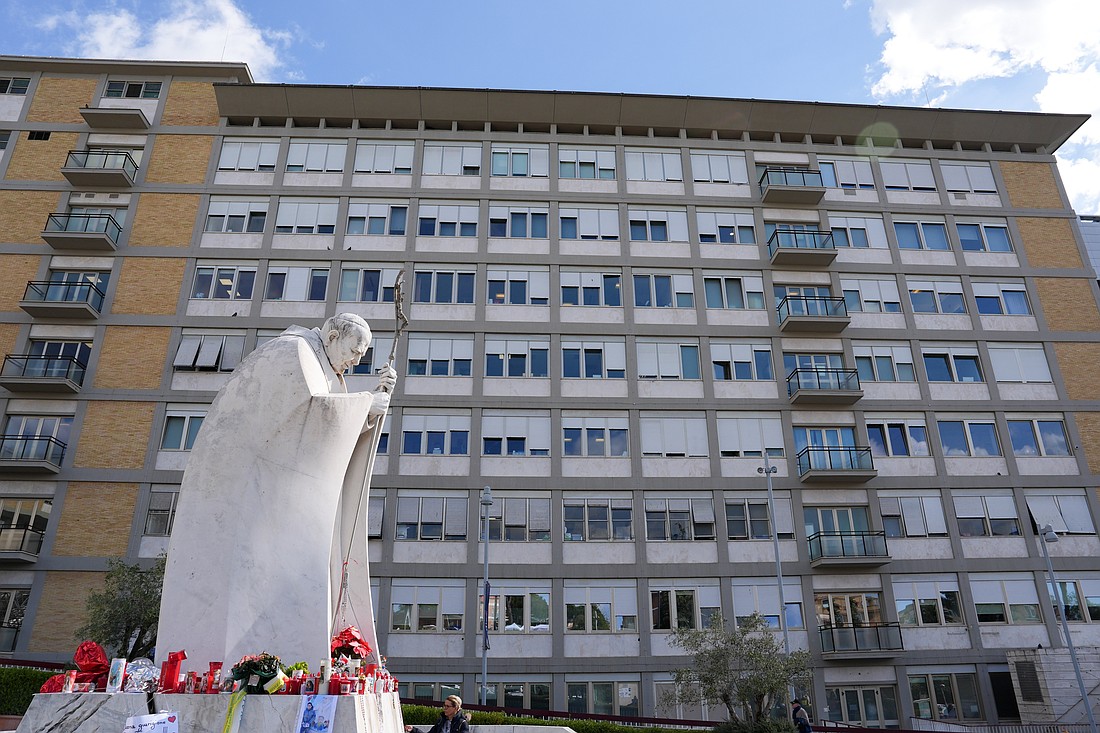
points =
(59, 99)
(40, 160)
(1088, 425)
(190, 103)
(164, 219)
(18, 271)
(1068, 303)
(1079, 362)
(179, 159)
(149, 285)
(95, 519)
(1031, 185)
(1049, 242)
(62, 610)
(115, 434)
(8, 333)
(23, 215)
(128, 356)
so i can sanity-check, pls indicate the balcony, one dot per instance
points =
(800, 314)
(108, 118)
(21, 544)
(850, 464)
(88, 232)
(8, 637)
(45, 299)
(860, 641)
(824, 387)
(26, 373)
(109, 168)
(30, 454)
(801, 248)
(791, 186)
(828, 549)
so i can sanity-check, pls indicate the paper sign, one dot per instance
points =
(158, 723)
(316, 713)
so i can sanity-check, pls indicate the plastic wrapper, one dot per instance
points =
(92, 665)
(141, 676)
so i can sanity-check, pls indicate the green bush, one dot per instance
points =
(423, 715)
(17, 687)
(762, 726)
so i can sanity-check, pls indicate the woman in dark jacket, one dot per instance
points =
(453, 720)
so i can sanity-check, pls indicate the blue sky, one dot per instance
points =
(990, 54)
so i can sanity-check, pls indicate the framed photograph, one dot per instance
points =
(118, 673)
(309, 687)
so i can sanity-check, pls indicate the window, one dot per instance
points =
(927, 600)
(667, 360)
(936, 296)
(1038, 436)
(427, 605)
(518, 222)
(248, 154)
(367, 285)
(235, 215)
(452, 160)
(952, 363)
(586, 163)
(5, 137)
(95, 218)
(913, 515)
(515, 433)
(992, 514)
(811, 361)
(378, 219)
(210, 352)
(883, 362)
(383, 157)
(589, 223)
(133, 89)
(23, 523)
(664, 291)
(846, 173)
(604, 698)
(653, 165)
(734, 292)
(519, 519)
(598, 520)
(13, 606)
(31, 435)
(443, 286)
(969, 438)
(1005, 598)
(55, 358)
(658, 226)
(968, 177)
(517, 609)
(741, 362)
(858, 232)
(929, 235)
(518, 287)
(1065, 510)
(17, 85)
(312, 156)
(181, 429)
(447, 220)
(983, 237)
(38, 135)
(761, 595)
(591, 288)
(161, 512)
(901, 437)
(306, 216)
(593, 359)
(1081, 600)
(956, 695)
(601, 606)
(685, 608)
(435, 435)
(433, 355)
(431, 517)
(1026, 363)
(747, 518)
(673, 437)
(592, 436)
(521, 162)
(377, 354)
(902, 176)
(679, 519)
(439, 691)
(1001, 298)
(748, 435)
(726, 227)
(871, 295)
(296, 283)
(714, 167)
(227, 282)
(517, 357)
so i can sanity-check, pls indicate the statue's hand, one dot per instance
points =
(380, 405)
(387, 379)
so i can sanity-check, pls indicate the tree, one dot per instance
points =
(741, 666)
(123, 616)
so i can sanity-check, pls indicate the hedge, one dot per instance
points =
(17, 687)
(424, 715)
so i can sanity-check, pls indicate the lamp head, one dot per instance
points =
(486, 496)
(1048, 533)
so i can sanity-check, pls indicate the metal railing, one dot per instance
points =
(41, 291)
(860, 638)
(847, 544)
(20, 539)
(85, 223)
(954, 726)
(790, 177)
(32, 448)
(804, 240)
(839, 458)
(811, 379)
(44, 367)
(102, 160)
(800, 305)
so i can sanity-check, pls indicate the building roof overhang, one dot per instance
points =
(231, 71)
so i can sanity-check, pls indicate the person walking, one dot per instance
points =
(453, 719)
(799, 715)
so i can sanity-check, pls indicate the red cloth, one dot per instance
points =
(92, 665)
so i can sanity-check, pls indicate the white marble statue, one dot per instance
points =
(272, 501)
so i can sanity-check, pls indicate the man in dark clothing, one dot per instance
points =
(800, 717)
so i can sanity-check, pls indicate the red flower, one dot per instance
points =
(350, 642)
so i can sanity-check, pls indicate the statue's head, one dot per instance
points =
(346, 337)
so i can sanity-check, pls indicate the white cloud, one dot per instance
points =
(191, 30)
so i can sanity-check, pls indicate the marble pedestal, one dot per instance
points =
(97, 712)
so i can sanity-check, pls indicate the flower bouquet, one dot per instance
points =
(347, 649)
(255, 671)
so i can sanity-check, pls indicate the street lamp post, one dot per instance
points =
(486, 504)
(1049, 535)
(767, 469)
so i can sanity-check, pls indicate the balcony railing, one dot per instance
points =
(804, 246)
(791, 186)
(31, 449)
(819, 313)
(100, 167)
(835, 386)
(28, 367)
(60, 299)
(861, 638)
(848, 545)
(20, 539)
(835, 463)
(8, 636)
(82, 231)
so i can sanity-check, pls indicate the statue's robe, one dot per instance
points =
(267, 510)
